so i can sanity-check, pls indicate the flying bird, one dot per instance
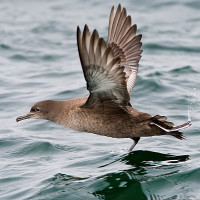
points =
(110, 71)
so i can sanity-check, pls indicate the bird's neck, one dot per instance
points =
(62, 111)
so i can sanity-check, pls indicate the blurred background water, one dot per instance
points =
(39, 61)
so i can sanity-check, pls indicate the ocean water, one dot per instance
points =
(39, 60)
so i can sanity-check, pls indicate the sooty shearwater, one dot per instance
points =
(110, 71)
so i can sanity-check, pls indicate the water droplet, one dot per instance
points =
(193, 98)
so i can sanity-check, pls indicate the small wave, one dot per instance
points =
(51, 57)
(153, 46)
(185, 69)
(180, 185)
(149, 84)
(19, 57)
(193, 4)
(5, 47)
(37, 148)
(62, 186)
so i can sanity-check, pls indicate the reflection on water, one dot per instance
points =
(142, 167)
(149, 158)
(122, 185)
(145, 165)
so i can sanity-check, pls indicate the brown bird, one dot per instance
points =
(110, 72)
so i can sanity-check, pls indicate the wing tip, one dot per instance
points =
(78, 31)
(86, 29)
(119, 6)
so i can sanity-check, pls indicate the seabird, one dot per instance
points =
(110, 71)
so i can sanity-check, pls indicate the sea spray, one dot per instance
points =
(193, 98)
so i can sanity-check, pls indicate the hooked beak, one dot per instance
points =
(20, 118)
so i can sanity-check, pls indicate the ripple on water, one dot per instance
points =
(184, 70)
(148, 85)
(37, 148)
(62, 186)
(5, 47)
(153, 46)
(182, 185)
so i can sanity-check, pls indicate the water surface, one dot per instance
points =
(39, 61)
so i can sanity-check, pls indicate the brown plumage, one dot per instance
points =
(110, 72)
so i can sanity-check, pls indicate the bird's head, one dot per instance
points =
(40, 110)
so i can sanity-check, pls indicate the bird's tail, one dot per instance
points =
(160, 121)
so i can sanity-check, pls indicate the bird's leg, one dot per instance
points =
(135, 141)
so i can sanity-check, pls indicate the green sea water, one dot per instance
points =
(39, 60)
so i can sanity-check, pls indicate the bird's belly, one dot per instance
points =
(112, 126)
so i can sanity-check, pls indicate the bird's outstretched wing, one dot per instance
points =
(125, 44)
(103, 73)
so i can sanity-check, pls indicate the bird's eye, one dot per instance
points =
(37, 109)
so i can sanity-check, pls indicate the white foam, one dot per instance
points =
(193, 98)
